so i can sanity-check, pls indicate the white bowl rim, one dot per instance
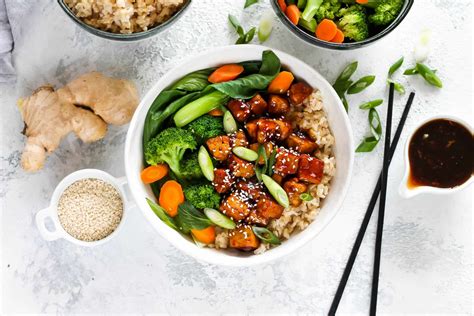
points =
(403, 189)
(177, 239)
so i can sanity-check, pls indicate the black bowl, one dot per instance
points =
(124, 37)
(311, 39)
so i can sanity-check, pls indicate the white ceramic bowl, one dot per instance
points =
(51, 212)
(408, 192)
(343, 151)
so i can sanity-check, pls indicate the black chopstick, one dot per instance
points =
(368, 213)
(383, 197)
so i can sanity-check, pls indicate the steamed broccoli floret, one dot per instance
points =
(206, 127)
(328, 10)
(386, 11)
(202, 196)
(169, 147)
(353, 23)
(190, 168)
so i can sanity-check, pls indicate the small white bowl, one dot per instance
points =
(51, 211)
(404, 189)
(343, 152)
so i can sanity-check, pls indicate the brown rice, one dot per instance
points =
(310, 117)
(124, 16)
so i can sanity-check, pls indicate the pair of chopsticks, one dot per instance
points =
(380, 188)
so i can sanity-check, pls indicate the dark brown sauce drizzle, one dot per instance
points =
(441, 154)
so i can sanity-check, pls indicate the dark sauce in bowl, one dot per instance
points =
(441, 154)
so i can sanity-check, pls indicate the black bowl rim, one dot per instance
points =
(343, 46)
(124, 37)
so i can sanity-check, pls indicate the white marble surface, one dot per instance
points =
(427, 250)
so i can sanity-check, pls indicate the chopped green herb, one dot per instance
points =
(370, 104)
(261, 169)
(248, 3)
(271, 162)
(361, 84)
(219, 219)
(276, 191)
(429, 75)
(369, 143)
(306, 197)
(266, 235)
(397, 86)
(395, 66)
(244, 37)
(265, 26)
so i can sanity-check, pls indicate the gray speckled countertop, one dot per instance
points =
(427, 251)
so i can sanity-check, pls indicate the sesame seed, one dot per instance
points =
(90, 209)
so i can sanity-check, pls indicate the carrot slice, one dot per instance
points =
(206, 235)
(225, 73)
(282, 5)
(216, 112)
(281, 83)
(339, 37)
(362, 1)
(171, 195)
(326, 30)
(293, 13)
(154, 173)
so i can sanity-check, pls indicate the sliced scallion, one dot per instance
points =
(276, 191)
(266, 235)
(205, 162)
(219, 219)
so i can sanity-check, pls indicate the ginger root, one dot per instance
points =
(84, 106)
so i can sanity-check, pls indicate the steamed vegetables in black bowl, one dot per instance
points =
(221, 154)
(341, 24)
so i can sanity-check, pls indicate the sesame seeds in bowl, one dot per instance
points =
(87, 208)
(90, 209)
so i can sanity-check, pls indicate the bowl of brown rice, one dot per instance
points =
(323, 115)
(87, 208)
(124, 20)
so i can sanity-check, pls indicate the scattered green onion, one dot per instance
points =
(261, 169)
(244, 37)
(266, 235)
(347, 72)
(245, 153)
(395, 66)
(345, 103)
(219, 219)
(248, 3)
(429, 75)
(205, 162)
(397, 86)
(369, 143)
(230, 125)
(370, 104)
(271, 162)
(276, 191)
(265, 26)
(361, 84)
(306, 197)
(343, 83)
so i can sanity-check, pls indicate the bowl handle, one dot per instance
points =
(40, 223)
(123, 183)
